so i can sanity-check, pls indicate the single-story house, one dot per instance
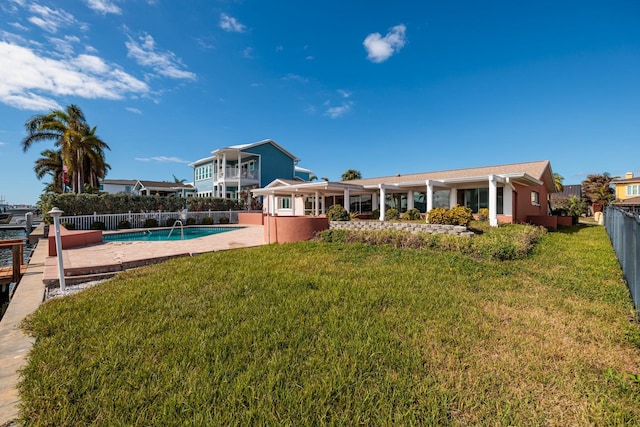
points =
(144, 187)
(515, 192)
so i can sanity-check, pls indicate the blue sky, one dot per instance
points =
(384, 87)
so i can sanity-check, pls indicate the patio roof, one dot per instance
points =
(445, 179)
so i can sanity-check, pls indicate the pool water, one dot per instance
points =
(161, 235)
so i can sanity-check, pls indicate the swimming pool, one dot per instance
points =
(160, 235)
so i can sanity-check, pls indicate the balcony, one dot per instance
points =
(232, 173)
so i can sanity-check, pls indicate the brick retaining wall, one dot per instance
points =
(413, 227)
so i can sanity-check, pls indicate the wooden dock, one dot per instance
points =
(17, 269)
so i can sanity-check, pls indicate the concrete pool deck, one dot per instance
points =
(108, 258)
(82, 263)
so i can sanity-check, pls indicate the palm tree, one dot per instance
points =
(178, 181)
(597, 188)
(557, 181)
(351, 174)
(51, 164)
(81, 149)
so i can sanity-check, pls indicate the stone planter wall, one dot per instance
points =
(413, 227)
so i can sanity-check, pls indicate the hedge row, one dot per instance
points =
(87, 204)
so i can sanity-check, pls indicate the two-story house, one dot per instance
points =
(231, 170)
(627, 191)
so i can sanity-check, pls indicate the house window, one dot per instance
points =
(101, 187)
(284, 203)
(478, 198)
(535, 198)
(633, 190)
(127, 189)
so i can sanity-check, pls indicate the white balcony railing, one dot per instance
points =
(235, 173)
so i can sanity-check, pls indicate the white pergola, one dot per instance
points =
(320, 190)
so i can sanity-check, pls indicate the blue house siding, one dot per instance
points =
(274, 163)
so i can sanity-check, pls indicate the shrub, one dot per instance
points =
(171, 221)
(460, 215)
(392, 214)
(438, 216)
(375, 214)
(191, 221)
(97, 225)
(223, 220)
(124, 224)
(150, 223)
(411, 214)
(68, 225)
(338, 213)
(457, 215)
(483, 214)
(207, 220)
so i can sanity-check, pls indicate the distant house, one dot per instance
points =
(513, 193)
(236, 169)
(116, 186)
(144, 187)
(560, 198)
(628, 187)
(627, 192)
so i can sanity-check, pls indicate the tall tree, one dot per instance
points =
(351, 174)
(597, 188)
(557, 181)
(82, 150)
(178, 181)
(51, 164)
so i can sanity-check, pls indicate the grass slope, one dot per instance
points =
(337, 334)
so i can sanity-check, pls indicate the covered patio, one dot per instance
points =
(497, 192)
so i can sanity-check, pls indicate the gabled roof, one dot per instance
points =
(246, 147)
(119, 181)
(165, 185)
(539, 170)
(626, 180)
(632, 201)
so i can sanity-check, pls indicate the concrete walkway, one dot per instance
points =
(14, 344)
(91, 260)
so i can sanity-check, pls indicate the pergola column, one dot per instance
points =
(382, 202)
(315, 204)
(410, 201)
(429, 197)
(293, 204)
(493, 201)
(453, 197)
(374, 201)
(347, 201)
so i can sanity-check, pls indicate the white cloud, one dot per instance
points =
(133, 110)
(279, 48)
(64, 45)
(163, 63)
(379, 48)
(162, 159)
(336, 112)
(248, 53)
(31, 82)
(343, 93)
(2, 143)
(103, 6)
(295, 77)
(231, 24)
(309, 58)
(50, 20)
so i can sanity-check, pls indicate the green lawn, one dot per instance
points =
(345, 334)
